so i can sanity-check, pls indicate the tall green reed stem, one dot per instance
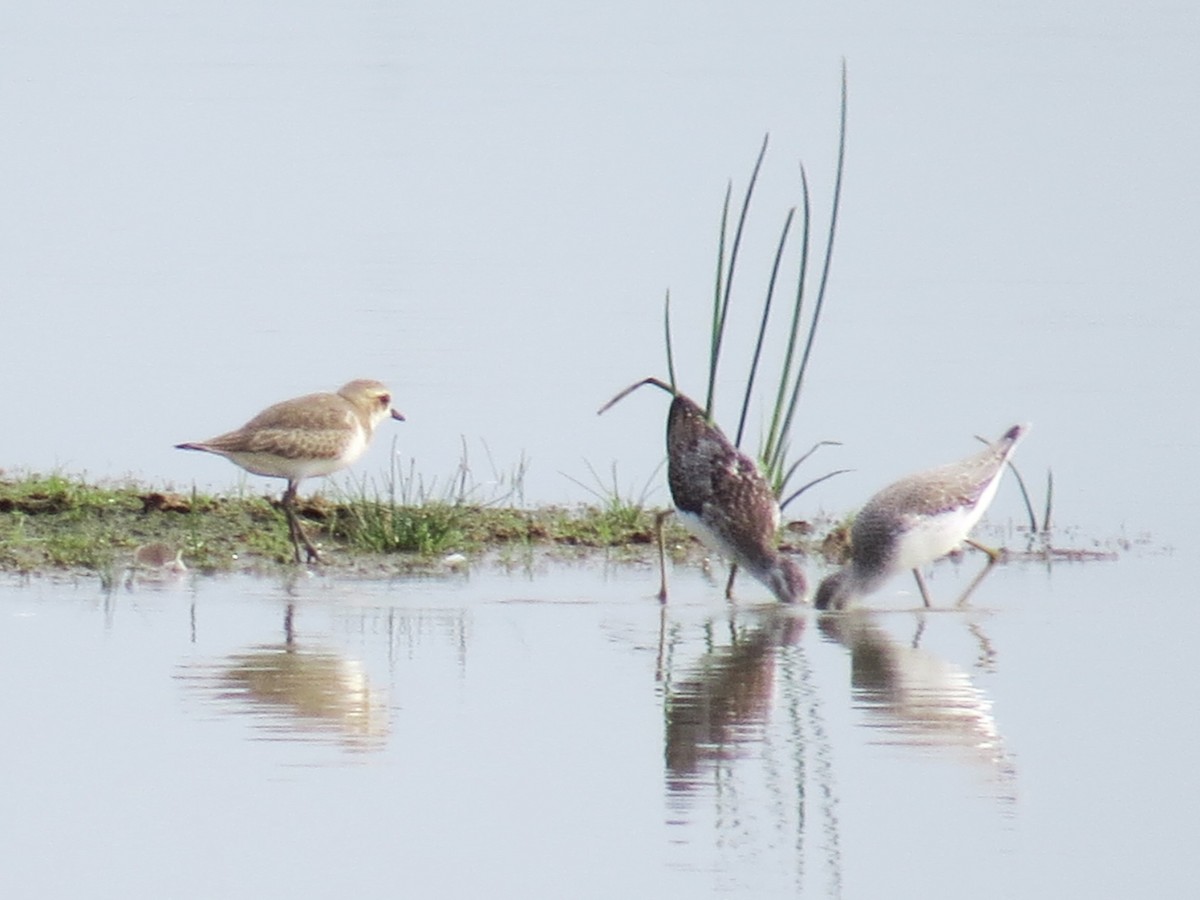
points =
(722, 292)
(776, 443)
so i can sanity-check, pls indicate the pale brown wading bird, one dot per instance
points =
(308, 436)
(722, 497)
(917, 520)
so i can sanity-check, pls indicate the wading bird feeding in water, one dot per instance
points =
(317, 434)
(722, 497)
(917, 520)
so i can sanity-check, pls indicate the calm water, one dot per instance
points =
(207, 210)
(558, 734)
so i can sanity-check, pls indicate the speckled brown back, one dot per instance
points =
(711, 479)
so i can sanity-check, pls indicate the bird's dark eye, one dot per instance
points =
(385, 401)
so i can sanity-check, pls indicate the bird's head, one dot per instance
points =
(787, 582)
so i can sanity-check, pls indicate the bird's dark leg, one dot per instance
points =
(297, 532)
(289, 496)
(966, 595)
(733, 569)
(916, 640)
(924, 590)
(659, 672)
(662, 554)
(993, 554)
(987, 653)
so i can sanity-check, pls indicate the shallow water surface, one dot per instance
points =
(558, 733)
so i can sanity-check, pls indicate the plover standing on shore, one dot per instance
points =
(305, 437)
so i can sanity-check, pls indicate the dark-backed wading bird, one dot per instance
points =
(722, 497)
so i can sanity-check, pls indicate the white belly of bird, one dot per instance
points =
(707, 536)
(931, 538)
(282, 467)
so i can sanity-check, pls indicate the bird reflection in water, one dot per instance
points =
(155, 564)
(747, 752)
(918, 700)
(298, 693)
(721, 703)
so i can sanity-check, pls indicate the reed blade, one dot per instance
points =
(1049, 500)
(1025, 496)
(819, 305)
(721, 301)
(633, 387)
(776, 446)
(667, 338)
(762, 325)
(784, 504)
(715, 327)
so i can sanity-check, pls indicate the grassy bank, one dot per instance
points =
(50, 522)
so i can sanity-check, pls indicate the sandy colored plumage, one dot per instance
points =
(304, 437)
